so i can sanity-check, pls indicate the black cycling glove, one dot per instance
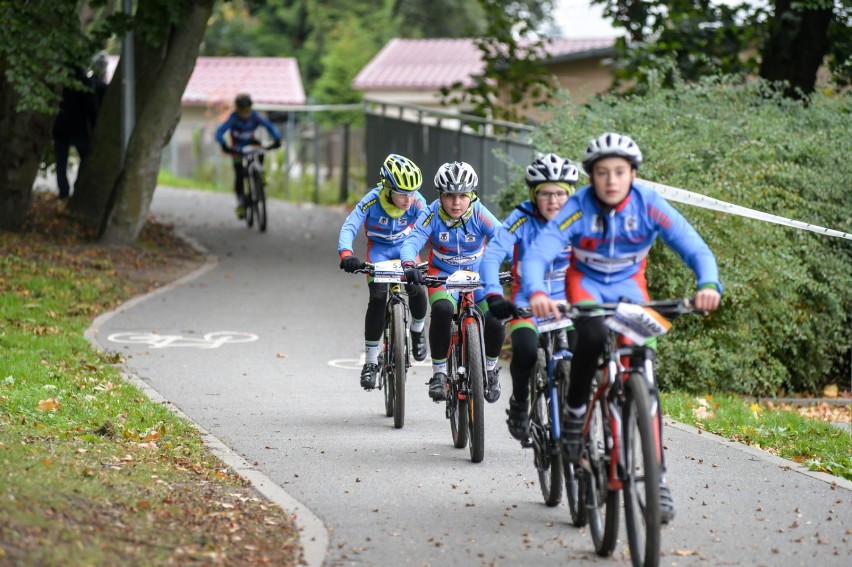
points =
(412, 275)
(350, 264)
(500, 307)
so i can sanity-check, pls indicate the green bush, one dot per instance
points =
(785, 324)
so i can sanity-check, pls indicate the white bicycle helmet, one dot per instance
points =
(550, 168)
(456, 177)
(611, 145)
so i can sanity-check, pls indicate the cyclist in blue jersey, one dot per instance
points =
(456, 225)
(387, 213)
(241, 124)
(551, 180)
(611, 226)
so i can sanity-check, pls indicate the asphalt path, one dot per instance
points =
(262, 349)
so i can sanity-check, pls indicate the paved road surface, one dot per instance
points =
(288, 402)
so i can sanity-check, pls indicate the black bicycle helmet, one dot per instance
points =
(243, 101)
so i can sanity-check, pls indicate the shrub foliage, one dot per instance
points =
(785, 324)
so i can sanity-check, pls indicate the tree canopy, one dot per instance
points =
(784, 40)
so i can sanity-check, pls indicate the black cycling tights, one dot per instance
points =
(439, 331)
(374, 320)
(591, 338)
(524, 355)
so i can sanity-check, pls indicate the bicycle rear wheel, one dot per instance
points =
(456, 397)
(601, 503)
(475, 366)
(574, 484)
(397, 381)
(642, 470)
(546, 453)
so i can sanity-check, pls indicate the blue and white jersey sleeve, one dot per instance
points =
(355, 221)
(418, 236)
(499, 249)
(681, 237)
(547, 246)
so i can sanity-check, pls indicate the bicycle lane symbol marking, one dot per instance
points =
(357, 363)
(208, 341)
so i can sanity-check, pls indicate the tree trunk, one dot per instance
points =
(25, 137)
(103, 163)
(796, 46)
(157, 115)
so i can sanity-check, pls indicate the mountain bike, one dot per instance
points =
(394, 357)
(465, 404)
(622, 427)
(548, 386)
(256, 191)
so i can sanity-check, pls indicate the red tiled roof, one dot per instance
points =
(269, 80)
(436, 63)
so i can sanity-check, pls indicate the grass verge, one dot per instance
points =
(800, 433)
(93, 473)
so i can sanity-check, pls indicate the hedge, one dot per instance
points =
(785, 324)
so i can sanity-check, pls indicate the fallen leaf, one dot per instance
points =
(49, 404)
(280, 355)
(830, 391)
(685, 552)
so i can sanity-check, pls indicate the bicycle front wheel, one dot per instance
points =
(398, 364)
(257, 198)
(601, 503)
(642, 471)
(260, 202)
(546, 453)
(249, 197)
(456, 397)
(476, 391)
(574, 485)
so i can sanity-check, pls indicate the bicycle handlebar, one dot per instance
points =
(437, 281)
(669, 308)
(370, 269)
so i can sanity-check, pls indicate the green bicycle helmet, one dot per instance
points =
(401, 174)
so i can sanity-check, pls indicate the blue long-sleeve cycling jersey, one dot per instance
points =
(459, 245)
(519, 230)
(382, 228)
(242, 129)
(610, 246)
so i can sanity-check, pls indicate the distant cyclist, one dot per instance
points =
(387, 213)
(611, 226)
(456, 225)
(241, 124)
(551, 180)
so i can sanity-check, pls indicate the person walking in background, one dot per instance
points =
(241, 124)
(73, 126)
(100, 63)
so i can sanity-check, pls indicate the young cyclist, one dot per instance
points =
(387, 213)
(611, 226)
(551, 181)
(241, 124)
(456, 225)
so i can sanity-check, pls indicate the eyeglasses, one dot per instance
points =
(555, 195)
